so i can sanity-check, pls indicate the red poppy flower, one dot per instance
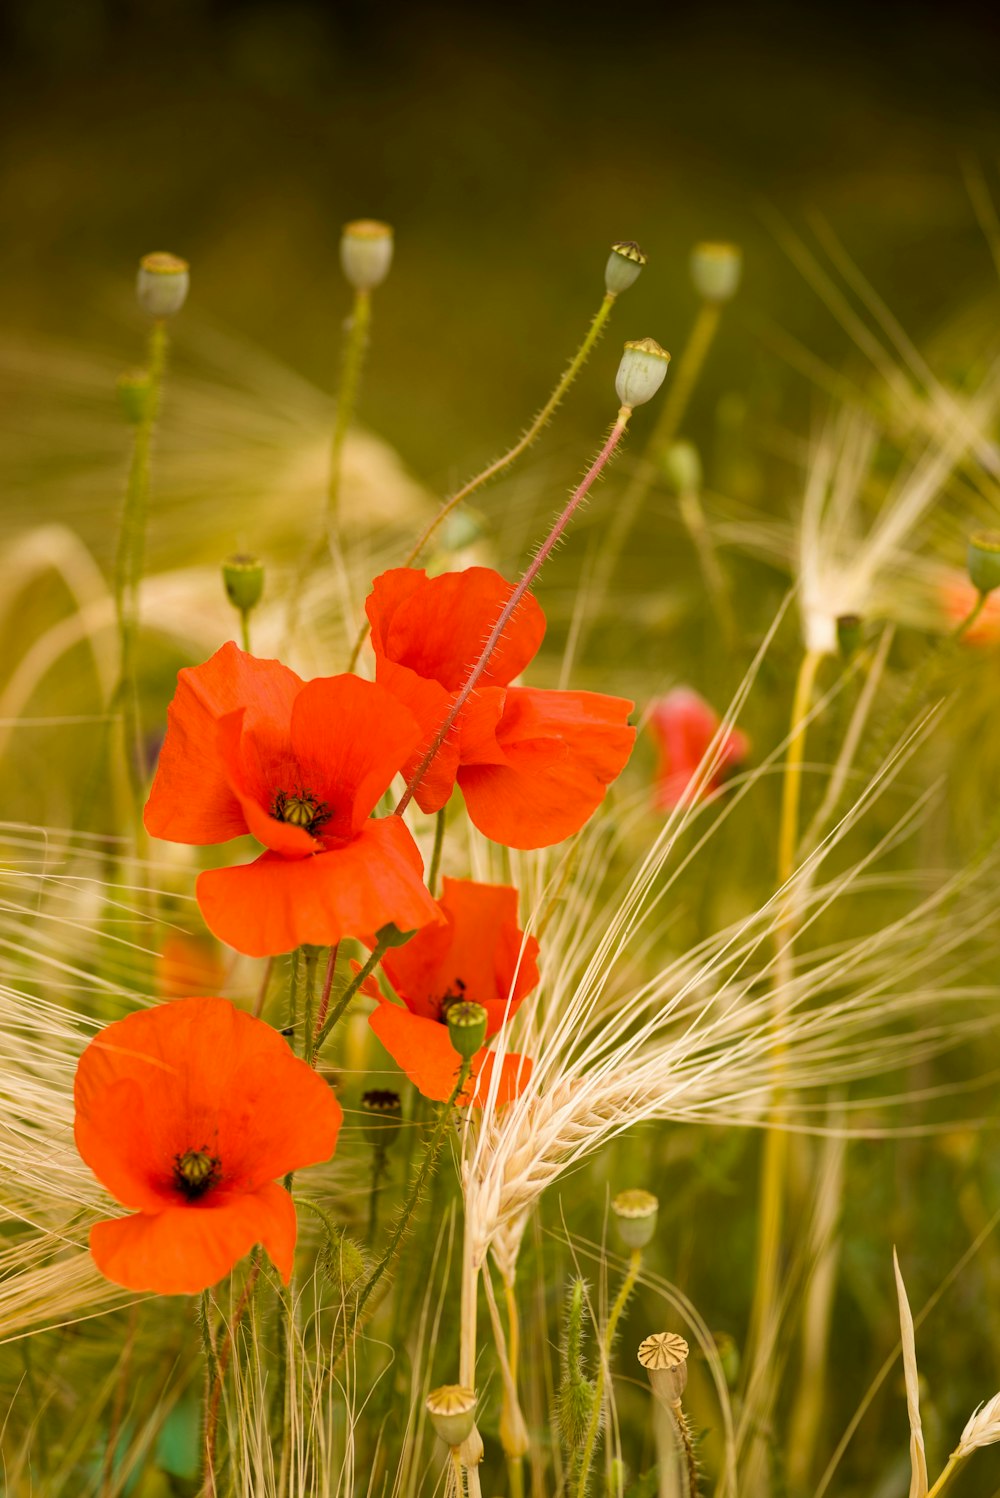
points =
(477, 953)
(959, 598)
(684, 725)
(532, 765)
(300, 765)
(187, 1113)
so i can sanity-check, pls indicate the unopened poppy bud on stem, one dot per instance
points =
(664, 1357)
(243, 579)
(642, 370)
(366, 253)
(162, 284)
(716, 270)
(635, 1217)
(452, 1409)
(983, 561)
(467, 1027)
(624, 266)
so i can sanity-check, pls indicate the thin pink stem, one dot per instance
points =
(541, 556)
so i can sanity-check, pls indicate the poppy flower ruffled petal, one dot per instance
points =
(557, 753)
(183, 1250)
(276, 904)
(187, 1112)
(683, 725)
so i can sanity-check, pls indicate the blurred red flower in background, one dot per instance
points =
(683, 726)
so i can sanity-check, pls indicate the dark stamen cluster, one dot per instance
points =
(300, 808)
(454, 995)
(195, 1171)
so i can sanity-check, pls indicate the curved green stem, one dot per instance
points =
(338, 1009)
(621, 1301)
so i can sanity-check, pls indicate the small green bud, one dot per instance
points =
(983, 560)
(466, 1027)
(716, 271)
(383, 1112)
(664, 1357)
(635, 1216)
(850, 635)
(390, 935)
(452, 1409)
(682, 468)
(344, 1264)
(162, 285)
(624, 266)
(641, 372)
(366, 253)
(243, 578)
(134, 390)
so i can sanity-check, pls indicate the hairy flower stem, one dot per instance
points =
(130, 560)
(775, 1163)
(224, 1354)
(432, 872)
(501, 464)
(324, 1002)
(681, 385)
(338, 1009)
(412, 1201)
(265, 984)
(541, 556)
(686, 1447)
(607, 1344)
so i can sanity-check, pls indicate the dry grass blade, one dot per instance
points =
(918, 1458)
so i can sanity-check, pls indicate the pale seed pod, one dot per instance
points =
(664, 1357)
(983, 561)
(467, 1027)
(243, 579)
(682, 468)
(162, 284)
(624, 266)
(642, 370)
(635, 1217)
(366, 253)
(452, 1409)
(716, 270)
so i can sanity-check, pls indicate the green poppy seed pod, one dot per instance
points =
(452, 1409)
(383, 1112)
(664, 1357)
(243, 578)
(850, 634)
(983, 560)
(635, 1216)
(641, 372)
(366, 253)
(162, 285)
(682, 468)
(624, 266)
(716, 271)
(134, 389)
(467, 1027)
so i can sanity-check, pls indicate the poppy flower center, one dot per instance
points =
(453, 995)
(301, 808)
(195, 1171)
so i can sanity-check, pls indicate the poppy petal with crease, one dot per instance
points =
(187, 1113)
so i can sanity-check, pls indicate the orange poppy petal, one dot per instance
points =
(191, 800)
(186, 1249)
(254, 790)
(515, 1072)
(422, 1049)
(276, 904)
(350, 737)
(429, 703)
(439, 627)
(562, 749)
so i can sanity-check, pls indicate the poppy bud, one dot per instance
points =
(243, 577)
(682, 467)
(134, 389)
(716, 271)
(983, 560)
(635, 1216)
(641, 372)
(466, 1027)
(383, 1112)
(344, 1263)
(391, 936)
(452, 1409)
(664, 1357)
(163, 282)
(624, 266)
(366, 253)
(849, 635)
